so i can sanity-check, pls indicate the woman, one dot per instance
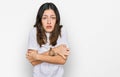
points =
(47, 48)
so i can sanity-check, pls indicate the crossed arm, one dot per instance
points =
(36, 58)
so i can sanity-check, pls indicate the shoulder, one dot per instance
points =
(63, 30)
(33, 31)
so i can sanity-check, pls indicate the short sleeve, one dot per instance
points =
(63, 38)
(32, 41)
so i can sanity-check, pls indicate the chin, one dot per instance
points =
(49, 30)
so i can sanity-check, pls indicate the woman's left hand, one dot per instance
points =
(62, 50)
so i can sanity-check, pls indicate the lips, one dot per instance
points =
(48, 27)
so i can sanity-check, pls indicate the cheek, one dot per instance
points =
(54, 22)
(44, 23)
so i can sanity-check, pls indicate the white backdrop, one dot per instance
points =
(93, 33)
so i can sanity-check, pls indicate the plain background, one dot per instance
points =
(93, 28)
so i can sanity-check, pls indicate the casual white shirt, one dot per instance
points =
(46, 69)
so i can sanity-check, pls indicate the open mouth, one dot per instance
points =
(48, 27)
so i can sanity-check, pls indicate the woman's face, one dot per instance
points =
(48, 20)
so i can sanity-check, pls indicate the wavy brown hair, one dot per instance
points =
(41, 36)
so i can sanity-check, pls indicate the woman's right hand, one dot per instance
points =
(62, 50)
(31, 59)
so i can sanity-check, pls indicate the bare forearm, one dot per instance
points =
(36, 62)
(39, 61)
(51, 59)
(57, 59)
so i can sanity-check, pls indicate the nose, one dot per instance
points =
(49, 21)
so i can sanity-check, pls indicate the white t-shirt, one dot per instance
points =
(46, 69)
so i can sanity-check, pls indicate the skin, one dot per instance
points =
(35, 58)
(48, 21)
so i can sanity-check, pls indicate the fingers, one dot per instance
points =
(30, 59)
(63, 50)
(67, 49)
(27, 55)
(62, 56)
(64, 45)
(66, 53)
(30, 53)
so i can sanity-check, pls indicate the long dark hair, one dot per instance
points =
(41, 36)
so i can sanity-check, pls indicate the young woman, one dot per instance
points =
(48, 47)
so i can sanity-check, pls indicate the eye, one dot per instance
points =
(53, 17)
(44, 17)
